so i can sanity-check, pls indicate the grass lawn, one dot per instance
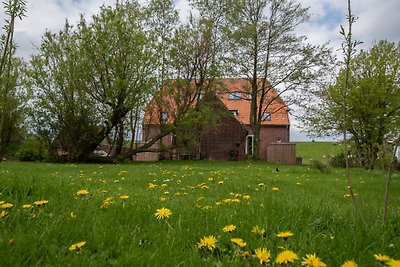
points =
(112, 209)
(317, 151)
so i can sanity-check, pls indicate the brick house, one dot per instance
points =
(232, 139)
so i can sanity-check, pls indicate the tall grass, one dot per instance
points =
(201, 196)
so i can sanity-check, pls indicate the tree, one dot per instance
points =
(193, 71)
(265, 49)
(88, 79)
(372, 99)
(10, 93)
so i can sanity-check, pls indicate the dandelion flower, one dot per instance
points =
(239, 242)
(382, 258)
(246, 254)
(6, 206)
(394, 263)
(263, 255)
(163, 199)
(349, 264)
(208, 242)
(123, 197)
(82, 192)
(40, 202)
(285, 235)
(163, 213)
(258, 230)
(285, 257)
(275, 189)
(311, 260)
(229, 228)
(26, 206)
(77, 245)
(3, 214)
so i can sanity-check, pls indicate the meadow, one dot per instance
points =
(189, 214)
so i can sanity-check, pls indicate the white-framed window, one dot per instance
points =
(249, 145)
(235, 96)
(267, 116)
(199, 96)
(234, 112)
(164, 116)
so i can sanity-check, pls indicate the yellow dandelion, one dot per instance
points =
(2, 202)
(246, 254)
(3, 214)
(72, 215)
(236, 200)
(164, 185)
(275, 189)
(229, 228)
(208, 242)
(82, 192)
(163, 199)
(246, 197)
(77, 246)
(286, 257)
(263, 255)
(311, 260)
(349, 264)
(382, 258)
(220, 182)
(394, 263)
(6, 206)
(123, 197)
(26, 206)
(162, 213)
(258, 230)
(40, 202)
(239, 242)
(284, 234)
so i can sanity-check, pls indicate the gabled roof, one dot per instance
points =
(240, 88)
(279, 113)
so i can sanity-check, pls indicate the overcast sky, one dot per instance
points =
(378, 19)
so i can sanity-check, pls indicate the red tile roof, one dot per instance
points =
(278, 111)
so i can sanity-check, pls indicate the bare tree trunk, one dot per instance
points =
(388, 180)
(348, 48)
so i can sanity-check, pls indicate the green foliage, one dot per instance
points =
(372, 101)
(314, 206)
(31, 149)
(12, 97)
(87, 79)
(319, 165)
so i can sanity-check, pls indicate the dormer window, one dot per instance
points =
(267, 116)
(234, 112)
(235, 96)
(164, 116)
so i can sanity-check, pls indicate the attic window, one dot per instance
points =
(164, 116)
(234, 112)
(267, 116)
(235, 96)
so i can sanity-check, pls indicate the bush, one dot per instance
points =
(316, 164)
(31, 150)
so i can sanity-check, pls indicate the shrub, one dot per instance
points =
(316, 164)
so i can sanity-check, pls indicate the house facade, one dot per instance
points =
(232, 137)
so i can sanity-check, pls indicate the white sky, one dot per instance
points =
(378, 19)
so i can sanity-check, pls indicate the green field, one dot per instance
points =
(317, 150)
(116, 218)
